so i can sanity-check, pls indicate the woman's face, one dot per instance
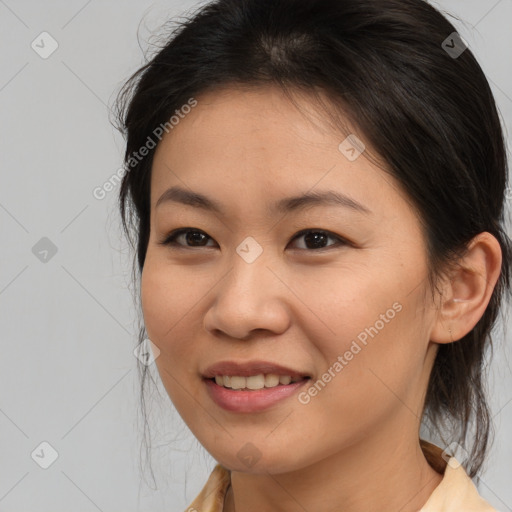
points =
(344, 305)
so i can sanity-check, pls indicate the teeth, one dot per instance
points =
(271, 380)
(254, 382)
(238, 382)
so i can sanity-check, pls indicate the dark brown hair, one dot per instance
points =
(429, 114)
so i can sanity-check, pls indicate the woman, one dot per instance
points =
(316, 194)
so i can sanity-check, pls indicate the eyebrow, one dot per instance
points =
(288, 204)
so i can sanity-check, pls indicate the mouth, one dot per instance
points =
(253, 386)
(255, 382)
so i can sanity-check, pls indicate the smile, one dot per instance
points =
(255, 382)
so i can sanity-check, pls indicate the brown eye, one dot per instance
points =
(186, 237)
(315, 239)
(318, 239)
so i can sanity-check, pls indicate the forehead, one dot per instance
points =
(256, 141)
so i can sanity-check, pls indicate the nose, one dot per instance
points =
(249, 299)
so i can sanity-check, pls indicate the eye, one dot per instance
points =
(315, 239)
(193, 236)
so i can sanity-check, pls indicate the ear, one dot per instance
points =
(468, 289)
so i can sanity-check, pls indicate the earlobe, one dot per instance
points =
(468, 289)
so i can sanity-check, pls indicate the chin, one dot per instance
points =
(251, 460)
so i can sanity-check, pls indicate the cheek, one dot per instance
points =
(375, 336)
(350, 306)
(156, 302)
(165, 300)
(381, 365)
(167, 307)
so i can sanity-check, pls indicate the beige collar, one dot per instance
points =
(455, 493)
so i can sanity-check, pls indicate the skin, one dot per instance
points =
(357, 441)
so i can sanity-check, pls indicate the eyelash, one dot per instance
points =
(170, 239)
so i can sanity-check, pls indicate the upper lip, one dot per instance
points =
(249, 368)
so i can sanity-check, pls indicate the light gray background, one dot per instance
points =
(68, 373)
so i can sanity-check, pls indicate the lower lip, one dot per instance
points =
(250, 401)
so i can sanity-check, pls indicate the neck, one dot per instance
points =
(376, 474)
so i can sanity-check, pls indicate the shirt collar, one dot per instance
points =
(455, 493)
